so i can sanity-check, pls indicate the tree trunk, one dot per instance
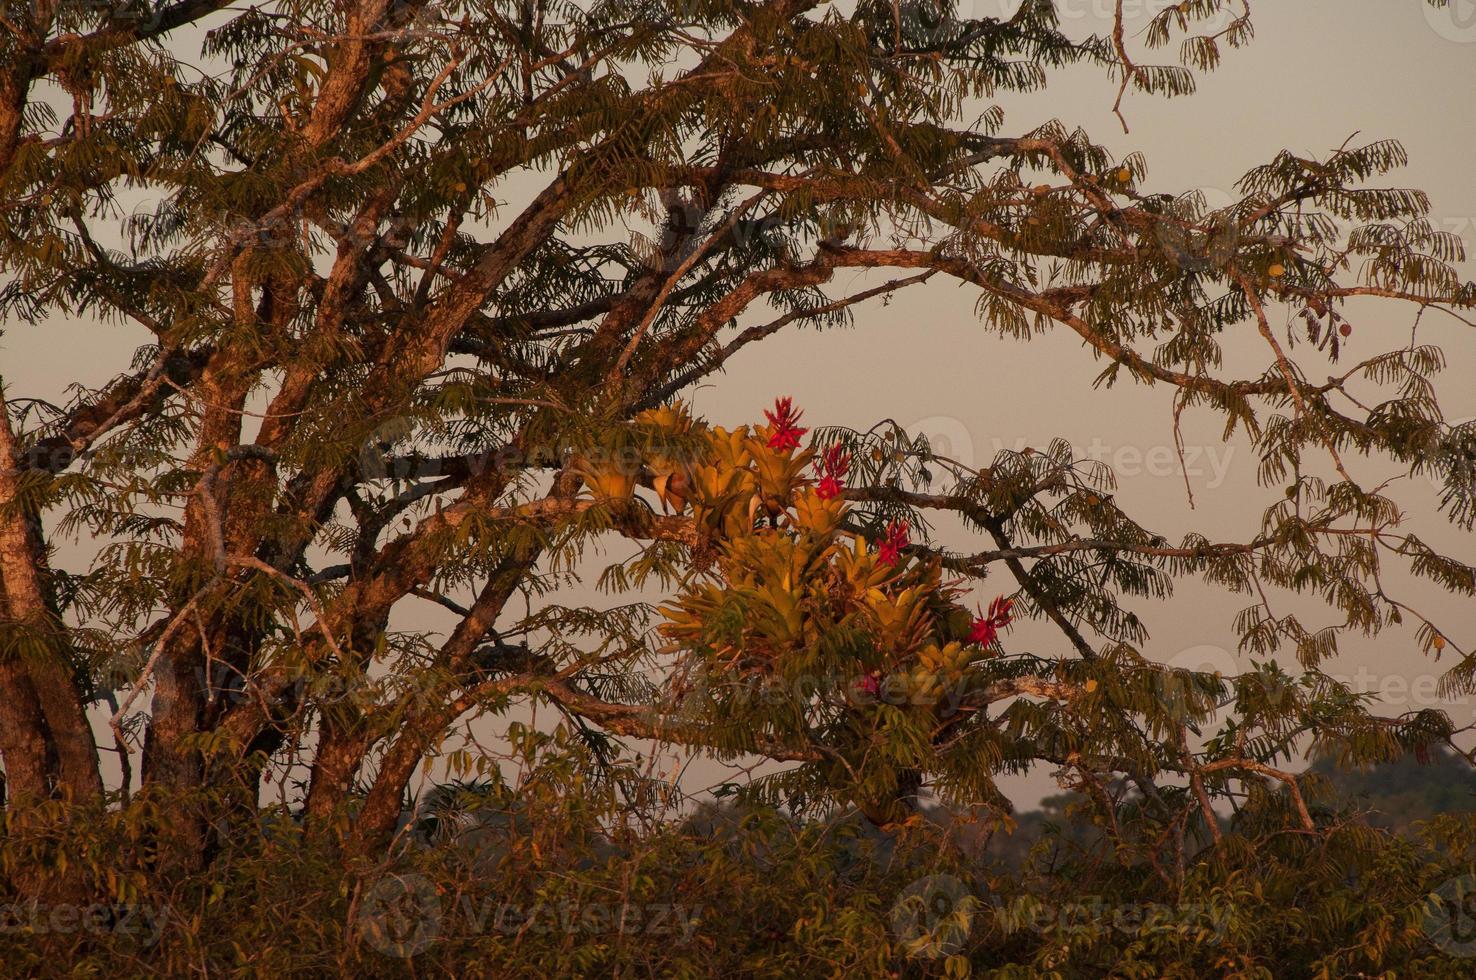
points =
(29, 760)
(31, 618)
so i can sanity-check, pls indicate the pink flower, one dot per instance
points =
(986, 628)
(833, 467)
(983, 632)
(869, 684)
(889, 549)
(784, 434)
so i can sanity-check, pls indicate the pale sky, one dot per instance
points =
(1316, 73)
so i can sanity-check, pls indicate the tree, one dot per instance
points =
(405, 349)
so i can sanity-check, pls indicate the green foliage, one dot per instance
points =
(496, 879)
(420, 287)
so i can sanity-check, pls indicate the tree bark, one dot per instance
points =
(28, 611)
(24, 746)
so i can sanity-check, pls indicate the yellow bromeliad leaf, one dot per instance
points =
(818, 515)
(721, 497)
(673, 417)
(729, 449)
(607, 479)
(777, 615)
(952, 659)
(672, 445)
(780, 474)
(859, 568)
(901, 620)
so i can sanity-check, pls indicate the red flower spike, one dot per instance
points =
(889, 549)
(986, 628)
(833, 467)
(785, 434)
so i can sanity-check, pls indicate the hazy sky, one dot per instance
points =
(1317, 72)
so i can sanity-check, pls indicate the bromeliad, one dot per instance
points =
(834, 465)
(784, 430)
(986, 627)
(889, 549)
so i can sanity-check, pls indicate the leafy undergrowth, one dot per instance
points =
(487, 885)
